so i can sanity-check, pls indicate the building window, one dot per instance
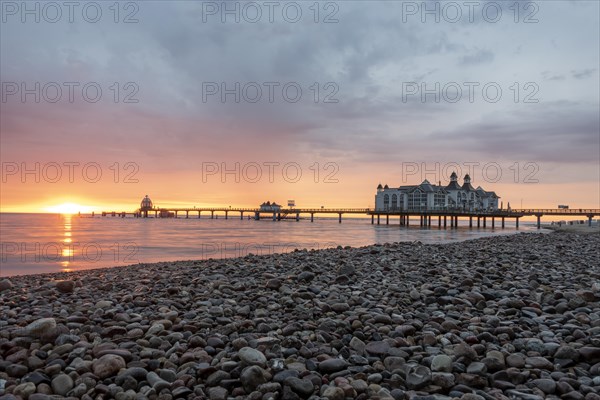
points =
(417, 200)
(386, 202)
(394, 202)
(439, 201)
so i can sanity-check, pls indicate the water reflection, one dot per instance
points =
(67, 251)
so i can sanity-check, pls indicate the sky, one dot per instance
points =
(201, 103)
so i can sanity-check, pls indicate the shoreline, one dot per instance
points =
(508, 316)
(577, 228)
(65, 274)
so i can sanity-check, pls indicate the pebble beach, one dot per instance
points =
(505, 317)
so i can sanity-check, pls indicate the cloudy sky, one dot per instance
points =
(235, 103)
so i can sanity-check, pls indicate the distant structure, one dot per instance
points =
(426, 196)
(146, 204)
(270, 207)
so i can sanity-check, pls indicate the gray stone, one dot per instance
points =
(516, 360)
(65, 286)
(358, 345)
(306, 276)
(39, 327)
(108, 365)
(590, 353)
(78, 390)
(5, 284)
(375, 378)
(445, 380)
(332, 365)
(24, 390)
(417, 376)
(252, 377)
(539, 362)
(62, 384)
(333, 393)
(378, 348)
(303, 387)
(340, 307)
(441, 363)
(217, 393)
(477, 368)
(346, 269)
(466, 351)
(250, 356)
(547, 386)
(157, 382)
(566, 353)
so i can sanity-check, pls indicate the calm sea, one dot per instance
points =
(39, 243)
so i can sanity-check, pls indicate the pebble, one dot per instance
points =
(252, 377)
(441, 363)
(62, 384)
(108, 365)
(334, 393)
(5, 284)
(332, 365)
(65, 286)
(302, 387)
(250, 356)
(39, 327)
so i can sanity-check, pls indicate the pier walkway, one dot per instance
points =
(404, 216)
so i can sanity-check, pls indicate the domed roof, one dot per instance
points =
(379, 186)
(386, 186)
(146, 202)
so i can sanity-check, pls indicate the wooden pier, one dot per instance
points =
(445, 217)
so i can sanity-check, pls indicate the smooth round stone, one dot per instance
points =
(536, 345)
(306, 276)
(5, 284)
(516, 360)
(65, 286)
(39, 327)
(417, 376)
(378, 348)
(359, 385)
(24, 390)
(441, 363)
(340, 307)
(252, 377)
(547, 386)
(375, 378)
(157, 382)
(334, 393)
(566, 353)
(104, 304)
(62, 384)
(303, 387)
(217, 393)
(16, 370)
(250, 356)
(466, 351)
(108, 365)
(445, 380)
(332, 365)
(357, 344)
(539, 362)
(476, 368)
